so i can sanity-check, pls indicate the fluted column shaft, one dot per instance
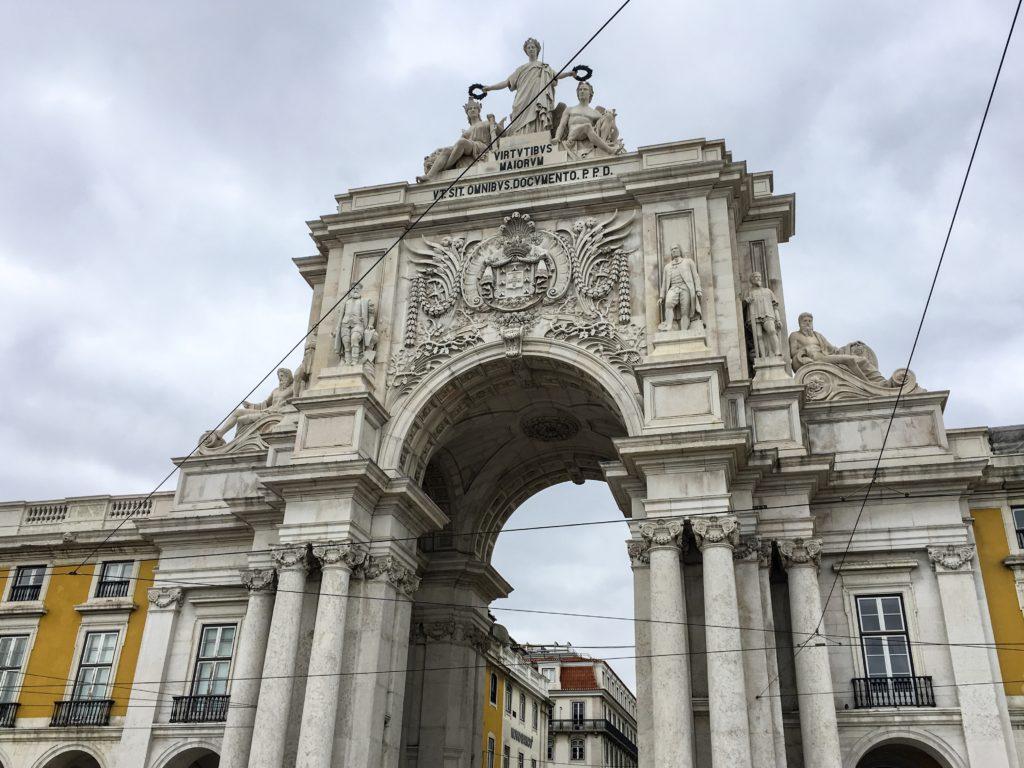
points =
(641, 565)
(818, 727)
(272, 713)
(245, 685)
(670, 666)
(727, 706)
(320, 703)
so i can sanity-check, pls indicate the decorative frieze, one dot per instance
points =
(165, 598)
(663, 533)
(716, 531)
(798, 552)
(951, 557)
(259, 579)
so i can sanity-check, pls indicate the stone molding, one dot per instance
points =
(716, 531)
(341, 554)
(639, 553)
(748, 550)
(452, 632)
(165, 598)
(951, 557)
(662, 533)
(290, 557)
(259, 579)
(387, 567)
(800, 552)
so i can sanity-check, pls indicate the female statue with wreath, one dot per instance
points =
(534, 85)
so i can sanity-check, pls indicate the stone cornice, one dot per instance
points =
(326, 479)
(640, 454)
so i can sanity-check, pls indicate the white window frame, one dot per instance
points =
(493, 694)
(491, 746)
(11, 689)
(111, 665)
(522, 707)
(581, 741)
(9, 585)
(583, 711)
(508, 696)
(884, 634)
(199, 659)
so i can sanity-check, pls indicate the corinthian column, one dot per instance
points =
(641, 564)
(272, 714)
(320, 705)
(727, 706)
(671, 705)
(818, 729)
(245, 684)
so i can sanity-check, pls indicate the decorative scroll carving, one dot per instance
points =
(748, 549)
(387, 567)
(259, 579)
(841, 373)
(951, 557)
(639, 553)
(797, 552)
(165, 597)
(438, 343)
(713, 530)
(662, 533)
(622, 346)
(512, 326)
(290, 557)
(341, 554)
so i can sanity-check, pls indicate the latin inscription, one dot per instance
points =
(525, 182)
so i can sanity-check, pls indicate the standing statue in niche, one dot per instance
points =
(765, 321)
(680, 290)
(249, 413)
(471, 143)
(583, 127)
(355, 337)
(534, 85)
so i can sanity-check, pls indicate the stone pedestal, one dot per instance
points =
(771, 369)
(356, 377)
(273, 712)
(245, 686)
(670, 664)
(691, 342)
(727, 705)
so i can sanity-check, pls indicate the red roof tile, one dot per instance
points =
(578, 679)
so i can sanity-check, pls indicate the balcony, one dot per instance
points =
(25, 592)
(902, 691)
(112, 588)
(200, 709)
(8, 711)
(78, 712)
(595, 726)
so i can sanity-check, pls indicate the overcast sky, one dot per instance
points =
(158, 162)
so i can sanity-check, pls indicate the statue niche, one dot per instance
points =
(841, 373)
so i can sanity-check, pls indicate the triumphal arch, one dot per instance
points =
(575, 309)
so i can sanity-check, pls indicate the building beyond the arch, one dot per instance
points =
(315, 590)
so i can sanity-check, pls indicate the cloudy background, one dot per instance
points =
(158, 161)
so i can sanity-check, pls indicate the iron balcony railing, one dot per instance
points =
(81, 712)
(899, 691)
(20, 594)
(112, 588)
(8, 711)
(595, 726)
(199, 709)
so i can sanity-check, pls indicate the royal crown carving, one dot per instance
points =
(951, 557)
(800, 551)
(714, 530)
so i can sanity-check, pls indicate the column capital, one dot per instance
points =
(748, 550)
(764, 554)
(714, 531)
(341, 554)
(165, 598)
(290, 557)
(454, 632)
(639, 553)
(800, 552)
(662, 533)
(951, 557)
(259, 579)
(388, 568)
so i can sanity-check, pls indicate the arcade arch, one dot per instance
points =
(72, 758)
(194, 757)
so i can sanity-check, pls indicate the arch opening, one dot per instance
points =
(900, 754)
(74, 758)
(194, 757)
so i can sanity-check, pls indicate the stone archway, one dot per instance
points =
(481, 444)
(73, 758)
(897, 755)
(194, 757)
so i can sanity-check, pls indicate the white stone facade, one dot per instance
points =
(589, 316)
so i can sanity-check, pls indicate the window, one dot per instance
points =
(549, 673)
(508, 696)
(522, 707)
(551, 747)
(12, 656)
(1018, 523)
(533, 762)
(95, 666)
(536, 715)
(522, 760)
(884, 640)
(490, 748)
(579, 711)
(114, 579)
(213, 662)
(506, 757)
(577, 749)
(494, 689)
(28, 583)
